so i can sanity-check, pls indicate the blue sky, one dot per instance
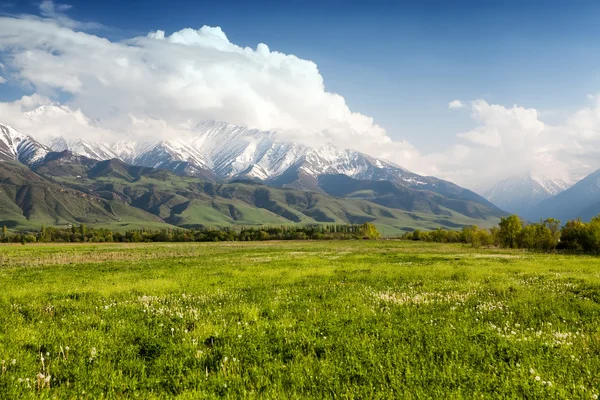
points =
(402, 62)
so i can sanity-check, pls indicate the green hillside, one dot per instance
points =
(67, 189)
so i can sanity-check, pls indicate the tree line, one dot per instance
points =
(82, 233)
(513, 232)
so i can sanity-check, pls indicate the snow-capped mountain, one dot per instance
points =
(520, 194)
(93, 150)
(16, 146)
(582, 200)
(220, 151)
(231, 152)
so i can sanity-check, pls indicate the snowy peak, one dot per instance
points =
(229, 152)
(16, 146)
(519, 194)
(50, 110)
(93, 150)
(161, 154)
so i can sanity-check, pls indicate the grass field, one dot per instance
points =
(297, 320)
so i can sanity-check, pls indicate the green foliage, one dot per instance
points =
(544, 236)
(510, 230)
(207, 234)
(369, 231)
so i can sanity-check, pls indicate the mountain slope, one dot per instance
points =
(580, 200)
(16, 146)
(29, 200)
(520, 194)
(192, 202)
(392, 195)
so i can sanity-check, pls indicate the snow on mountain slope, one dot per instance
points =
(94, 150)
(582, 200)
(231, 151)
(221, 151)
(520, 194)
(16, 146)
(160, 154)
(48, 111)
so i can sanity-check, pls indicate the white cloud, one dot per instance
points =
(38, 116)
(51, 11)
(456, 104)
(160, 85)
(190, 75)
(513, 140)
(2, 80)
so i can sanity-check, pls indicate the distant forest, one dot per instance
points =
(82, 233)
(511, 232)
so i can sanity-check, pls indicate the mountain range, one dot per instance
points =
(222, 175)
(521, 194)
(221, 153)
(582, 200)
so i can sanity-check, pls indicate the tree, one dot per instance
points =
(4, 232)
(416, 235)
(573, 236)
(510, 229)
(82, 231)
(369, 231)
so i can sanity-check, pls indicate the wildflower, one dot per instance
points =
(13, 362)
(43, 380)
(531, 371)
(595, 396)
(537, 378)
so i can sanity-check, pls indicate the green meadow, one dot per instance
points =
(343, 319)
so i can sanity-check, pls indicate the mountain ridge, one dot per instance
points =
(520, 194)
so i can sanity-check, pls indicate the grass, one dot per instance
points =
(297, 320)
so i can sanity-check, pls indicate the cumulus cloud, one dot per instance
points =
(159, 86)
(188, 75)
(38, 116)
(456, 104)
(513, 140)
(2, 80)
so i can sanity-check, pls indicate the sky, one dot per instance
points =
(470, 91)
